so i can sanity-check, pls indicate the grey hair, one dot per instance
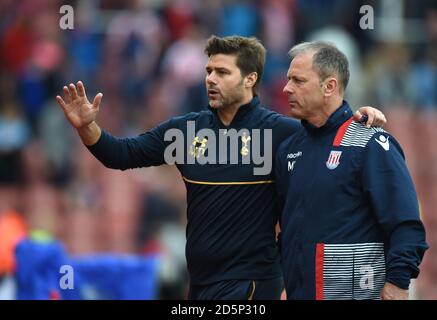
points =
(328, 60)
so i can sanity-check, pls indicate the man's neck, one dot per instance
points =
(227, 113)
(323, 114)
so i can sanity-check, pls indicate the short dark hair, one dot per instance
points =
(250, 53)
(327, 60)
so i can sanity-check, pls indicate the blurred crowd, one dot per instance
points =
(146, 57)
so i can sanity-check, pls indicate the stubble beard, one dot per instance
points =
(234, 98)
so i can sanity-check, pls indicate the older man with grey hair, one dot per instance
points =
(350, 220)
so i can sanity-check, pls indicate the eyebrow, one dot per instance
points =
(218, 68)
(295, 77)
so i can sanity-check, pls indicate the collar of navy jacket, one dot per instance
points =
(240, 115)
(335, 120)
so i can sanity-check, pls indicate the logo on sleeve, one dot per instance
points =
(333, 160)
(383, 142)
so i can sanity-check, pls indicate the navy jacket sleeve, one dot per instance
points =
(388, 183)
(144, 150)
(280, 182)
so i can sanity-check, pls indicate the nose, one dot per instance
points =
(210, 78)
(288, 88)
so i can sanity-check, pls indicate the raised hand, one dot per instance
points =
(77, 109)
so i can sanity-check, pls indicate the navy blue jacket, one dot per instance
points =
(231, 212)
(350, 219)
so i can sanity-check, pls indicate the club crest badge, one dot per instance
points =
(198, 147)
(245, 140)
(333, 160)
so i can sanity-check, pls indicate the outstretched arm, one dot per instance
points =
(80, 112)
(144, 150)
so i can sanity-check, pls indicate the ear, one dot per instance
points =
(250, 80)
(330, 86)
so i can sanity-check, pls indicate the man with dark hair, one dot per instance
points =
(232, 211)
(250, 54)
(350, 220)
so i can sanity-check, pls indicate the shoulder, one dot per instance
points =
(355, 134)
(181, 121)
(191, 116)
(279, 121)
(290, 141)
(372, 140)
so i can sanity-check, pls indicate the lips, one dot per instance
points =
(213, 92)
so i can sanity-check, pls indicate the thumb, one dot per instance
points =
(97, 100)
(358, 115)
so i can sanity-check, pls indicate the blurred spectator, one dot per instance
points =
(180, 16)
(423, 79)
(12, 228)
(278, 32)
(14, 134)
(184, 74)
(16, 44)
(388, 82)
(347, 44)
(239, 18)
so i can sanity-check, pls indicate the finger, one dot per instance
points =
(81, 89)
(371, 116)
(382, 120)
(360, 117)
(67, 96)
(61, 103)
(385, 120)
(378, 119)
(73, 92)
(357, 115)
(364, 119)
(97, 100)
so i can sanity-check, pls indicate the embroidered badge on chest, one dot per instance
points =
(333, 160)
(198, 147)
(245, 139)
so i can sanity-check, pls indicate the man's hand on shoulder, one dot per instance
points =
(375, 118)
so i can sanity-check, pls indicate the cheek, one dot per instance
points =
(311, 93)
(303, 95)
(232, 87)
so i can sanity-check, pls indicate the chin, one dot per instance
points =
(215, 104)
(295, 115)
